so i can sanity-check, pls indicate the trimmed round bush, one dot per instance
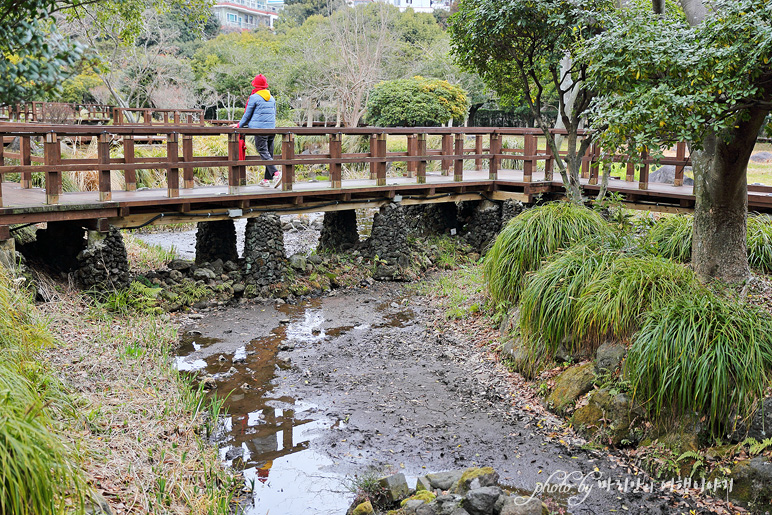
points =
(530, 238)
(702, 353)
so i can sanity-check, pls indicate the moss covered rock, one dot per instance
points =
(365, 508)
(570, 385)
(473, 478)
(422, 495)
(613, 415)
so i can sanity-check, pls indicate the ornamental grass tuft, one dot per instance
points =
(531, 237)
(702, 353)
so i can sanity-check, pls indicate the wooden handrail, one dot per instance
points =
(452, 153)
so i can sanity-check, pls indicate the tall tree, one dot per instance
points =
(36, 57)
(517, 48)
(705, 78)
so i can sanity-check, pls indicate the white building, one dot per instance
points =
(419, 6)
(246, 14)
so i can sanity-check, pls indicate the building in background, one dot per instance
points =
(419, 6)
(247, 14)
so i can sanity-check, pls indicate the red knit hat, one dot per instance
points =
(260, 82)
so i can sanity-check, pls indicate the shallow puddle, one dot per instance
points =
(268, 436)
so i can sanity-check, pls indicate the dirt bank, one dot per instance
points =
(362, 381)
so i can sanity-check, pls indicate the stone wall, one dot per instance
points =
(509, 210)
(264, 261)
(103, 264)
(216, 240)
(431, 219)
(388, 241)
(484, 225)
(339, 231)
(57, 246)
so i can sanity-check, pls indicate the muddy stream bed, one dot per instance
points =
(329, 387)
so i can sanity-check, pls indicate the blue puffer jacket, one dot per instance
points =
(260, 113)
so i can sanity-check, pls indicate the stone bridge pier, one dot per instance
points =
(339, 231)
(265, 263)
(216, 240)
(94, 256)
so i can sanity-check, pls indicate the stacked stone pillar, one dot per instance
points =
(216, 240)
(339, 231)
(388, 241)
(104, 263)
(264, 261)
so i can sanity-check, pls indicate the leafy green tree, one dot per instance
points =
(416, 102)
(517, 48)
(36, 57)
(700, 76)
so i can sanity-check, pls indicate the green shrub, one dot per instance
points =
(38, 473)
(702, 353)
(531, 237)
(760, 242)
(611, 306)
(671, 237)
(233, 114)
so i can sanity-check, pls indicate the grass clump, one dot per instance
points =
(702, 353)
(760, 242)
(595, 291)
(531, 237)
(39, 472)
(671, 237)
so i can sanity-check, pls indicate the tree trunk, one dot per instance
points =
(721, 202)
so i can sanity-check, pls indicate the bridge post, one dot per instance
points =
(264, 259)
(493, 163)
(679, 169)
(411, 152)
(380, 179)
(288, 152)
(339, 231)
(25, 155)
(187, 157)
(373, 154)
(103, 154)
(129, 176)
(336, 150)
(478, 149)
(529, 156)
(643, 183)
(216, 240)
(458, 162)
(594, 164)
(52, 155)
(447, 149)
(586, 163)
(173, 174)
(233, 169)
(421, 165)
(549, 164)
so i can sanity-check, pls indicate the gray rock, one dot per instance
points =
(238, 288)
(426, 509)
(516, 505)
(665, 174)
(572, 384)
(614, 413)
(395, 487)
(761, 157)
(204, 273)
(480, 501)
(609, 356)
(298, 262)
(99, 505)
(752, 483)
(423, 483)
(176, 275)
(444, 480)
(459, 511)
(474, 478)
(315, 259)
(760, 426)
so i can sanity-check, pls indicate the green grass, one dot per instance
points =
(39, 472)
(671, 237)
(595, 291)
(531, 237)
(702, 353)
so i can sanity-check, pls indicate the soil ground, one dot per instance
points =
(361, 379)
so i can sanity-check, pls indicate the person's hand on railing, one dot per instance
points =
(234, 126)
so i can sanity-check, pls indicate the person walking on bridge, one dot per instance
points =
(260, 113)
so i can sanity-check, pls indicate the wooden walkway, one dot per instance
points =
(182, 201)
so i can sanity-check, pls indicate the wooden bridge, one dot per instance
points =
(471, 166)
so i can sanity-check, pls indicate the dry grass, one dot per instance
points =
(138, 420)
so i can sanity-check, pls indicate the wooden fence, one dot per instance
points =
(55, 112)
(486, 147)
(147, 116)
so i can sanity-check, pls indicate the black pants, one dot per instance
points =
(264, 145)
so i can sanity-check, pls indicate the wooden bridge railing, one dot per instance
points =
(490, 147)
(148, 116)
(55, 112)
